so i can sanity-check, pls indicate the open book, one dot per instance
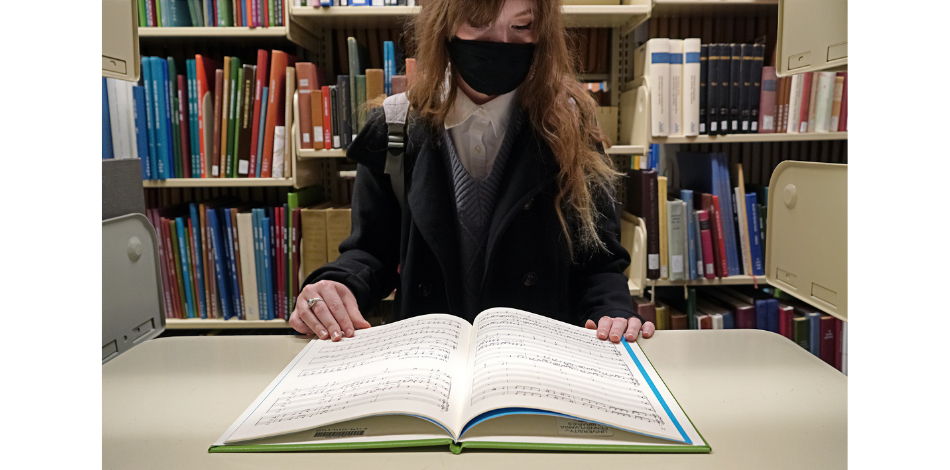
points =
(512, 380)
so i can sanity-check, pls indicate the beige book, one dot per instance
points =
(313, 241)
(245, 227)
(374, 86)
(664, 228)
(813, 102)
(743, 225)
(836, 102)
(338, 228)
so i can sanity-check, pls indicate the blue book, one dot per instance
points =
(219, 268)
(167, 122)
(755, 245)
(141, 130)
(728, 203)
(106, 124)
(260, 131)
(265, 224)
(814, 332)
(343, 94)
(389, 66)
(185, 271)
(150, 116)
(258, 263)
(708, 173)
(193, 138)
(209, 13)
(772, 315)
(232, 263)
(271, 253)
(761, 314)
(687, 196)
(359, 3)
(178, 14)
(244, 14)
(199, 262)
(728, 321)
(161, 143)
(326, 3)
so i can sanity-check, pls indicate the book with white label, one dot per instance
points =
(511, 379)
(652, 60)
(825, 101)
(675, 123)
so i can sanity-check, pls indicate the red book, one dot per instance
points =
(306, 81)
(705, 234)
(806, 100)
(211, 291)
(260, 82)
(843, 114)
(714, 234)
(154, 13)
(172, 270)
(265, 15)
(275, 108)
(717, 219)
(786, 313)
(295, 265)
(410, 72)
(183, 121)
(704, 321)
(645, 308)
(826, 338)
(215, 158)
(166, 295)
(839, 337)
(205, 79)
(238, 17)
(327, 119)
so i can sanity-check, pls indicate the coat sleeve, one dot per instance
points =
(369, 257)
(598, 282)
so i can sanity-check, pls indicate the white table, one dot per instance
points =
(761, 402)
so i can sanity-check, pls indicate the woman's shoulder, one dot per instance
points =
(370, 145)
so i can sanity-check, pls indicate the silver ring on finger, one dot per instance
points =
(313, 301)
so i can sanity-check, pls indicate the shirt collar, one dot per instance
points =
(497, 110)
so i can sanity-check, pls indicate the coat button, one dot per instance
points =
(425, 289)
(527, 205)
(530, 279)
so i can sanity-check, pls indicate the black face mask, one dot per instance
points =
(491, 68)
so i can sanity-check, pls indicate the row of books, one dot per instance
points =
(718, 89)
(209, 122)
(742, 307)
(206, 13)
(806, 102)
(707, 227)
(710, 28)
(358, 3)
(592, 51)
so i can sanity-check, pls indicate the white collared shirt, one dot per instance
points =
(478, 131)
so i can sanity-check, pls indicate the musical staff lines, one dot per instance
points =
(523, 355)
(430, 386)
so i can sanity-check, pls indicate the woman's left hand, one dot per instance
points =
(613, 328)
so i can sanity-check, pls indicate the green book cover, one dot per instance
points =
(271, 20)
(225, 16)
(158, 13)
(235, 66)
(800, 331)
(234, 139)
(691, 308)
(173, 114)
(193, 12)
(407, 384)
(360, 103)
(143, 19)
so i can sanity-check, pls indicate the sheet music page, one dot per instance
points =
(520, 359)
(414, 366)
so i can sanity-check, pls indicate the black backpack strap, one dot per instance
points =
(396, 108)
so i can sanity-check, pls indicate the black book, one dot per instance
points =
(334, 116)
(725, 85)
(735, 87)
(712, 90)
(346, 111)
(758, 60)
(642, 202)
(703, 76)
(745, 88)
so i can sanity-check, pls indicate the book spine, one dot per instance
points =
(259, 264)
(824, 101)
(158, 126)
(183, 131)
(675, 116)
(786, 315)
(793, 110)
(287, 259)
(208, 261)
(274, 109)
(141, 130)
(843, 115)
(171, 79)
(335, 116)
(236, 263)
(260, 81)
(316, 109)
(265, 95)
(664, 227)
(227, 235)
(745, 88)
(197, 249)
(675, 239)
(193, 118)
(305, 80)
(389, 66)
(766, 108)
(295, 264)
(217, 250)
(800, 331)
(350, 90)
(758, 58)
(344, 93)
(725, 84)
(807, 79)
(687, 196)
(234, 137)
(290, 87)
(723, 270)
(814, 333)
(279, 260)
(700, 246)
(752, 215)
(230, 114)
(218, 106)
(836, 103)
(691, 86)
(743, 230)
(172, 269)
(813, 101)
(265, 230)
(712, 90)
(658, 56)
(246, 121)
(703, 87)
(151, 113)
(735, 88)
(772, 315)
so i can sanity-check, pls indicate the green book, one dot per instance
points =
(143, 19)
(233, 93)
(173, 114)
(193, 13)
(691, 308)
(225, 16)
(272, 21)
(800, 331)
(354, 62)
(234, 139)
(158, 13)
(509, 380)
(360, 103)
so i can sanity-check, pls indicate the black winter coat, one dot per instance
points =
(527, 262)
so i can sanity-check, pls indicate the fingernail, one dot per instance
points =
(323, 334)
(629, 337)
(614, 338)
(601, 335)
(334, 335)
(349, 332)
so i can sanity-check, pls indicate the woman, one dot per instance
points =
(508, 196)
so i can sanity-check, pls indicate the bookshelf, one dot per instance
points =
(221, 324)
(712, 7)
(212, 32)
(741, 138)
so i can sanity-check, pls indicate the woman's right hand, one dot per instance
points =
(333, 317)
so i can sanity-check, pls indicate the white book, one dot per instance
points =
(675, 239)
(691, 68)
(824, 100)
(675, 117)
(794, 105)
(716, 321)
(277, 168)
(245, 227)
(129, 119)
(431, 379)
(114, 118)
(652, 60)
